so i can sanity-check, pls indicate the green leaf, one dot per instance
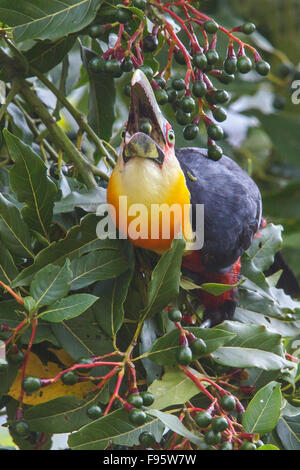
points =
(97, 266)
(102, 97)
(248, 357)
(262, 413)
(288, 429)
(29, 180)
(88, 201)
(219, 289)
(8, 269)
(163, 351)
(268, 447)
(277, 203)
(173, 423)
(47, 54)
(265, 246)
(69, 307)
(79, 240)
(51, 283)
(174, 388)
(164, 285)
(115, 428)
(13, 230)
(37, 19)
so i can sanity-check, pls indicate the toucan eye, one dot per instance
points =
(123, 134)
(171, 136)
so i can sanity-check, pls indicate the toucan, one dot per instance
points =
(150, 170)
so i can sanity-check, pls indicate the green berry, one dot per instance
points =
(285, 69)
(203, 446)
(161, 96)
(214, 152)
(220, 114)
(3, 366)
(226, 446)
(221, 96)
(112, 67)
(127, 65)
(212, 437)
(248, 446)
(140, 4)
(219, 424)
(226, 78)
(263, 68)
(94, 412)
(248, 28)
(215, 132)
(212, 56)
(146, 127)
(190, 132)
(147, 71)
(199, 89)
(137, 417)
(161, 82)
(211, 27)
(203, 419)
(198, 347)
(179, 57)
(16, 358)
(21, 429)
(230, 65)
(123, 16)
(184, 355)
(244, 64)
(84, 360)
(172, 95)
(200, 61)
(127, 90)
(228, 402)
(148, 398)
(96, 31)
(136, 400)
(174, 314)
(279, 102)
(188, 104)
(150, 43)
(69, 378)
(178, 84)
(31, 384)
(96, 64)
(183, 118)
(147, 439)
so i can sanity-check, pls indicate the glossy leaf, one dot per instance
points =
(68, 307)
(288, 430)
(173, 423)
(47, 54)
(8, 269)
(248, 357)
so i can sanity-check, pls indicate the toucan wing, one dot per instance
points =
(232, 206)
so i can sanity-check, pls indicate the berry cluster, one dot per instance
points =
(194, 98)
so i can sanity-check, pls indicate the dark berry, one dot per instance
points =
(190, 132)
(146, 127)
(161, 82)
(199, 89)
(147, 439)
(214, 152)
(230, 65)
(212, 437)
(174, 314)
(127, 65)
(137, 417)
(150, 43)
(219, 424)
(140, 4)
(147, 71)
(135, 400)
(212, 57)
(16, 358)
(161, 96)
(31, 384)
(21, 429)
(203, 419)
(228, 402)
(84, 360)
(148, 398)
(279, 102)
(248, 28)
(285, 69)
(221, 96)
(179, 57)
(248, 446)
(226, 77)
(69, 378)
(112, 67)
(263, 68)
(96, 64)
(183, 118)
(94, 412)
(220, 114)
(96, 31)
(215, 132)
(211, 27)
(244, 64)
(200, 61)
(188, 104)
(178, 84)
(198, 347)
(184, 355)
(172, 95)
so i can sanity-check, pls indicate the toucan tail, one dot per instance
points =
(287, 281)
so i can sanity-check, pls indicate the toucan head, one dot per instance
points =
(159, 140)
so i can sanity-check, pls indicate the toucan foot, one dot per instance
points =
(225, 311)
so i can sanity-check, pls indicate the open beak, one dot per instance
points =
(143, 106)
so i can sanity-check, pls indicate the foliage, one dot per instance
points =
(88, 318)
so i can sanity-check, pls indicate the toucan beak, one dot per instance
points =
(143, 106)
